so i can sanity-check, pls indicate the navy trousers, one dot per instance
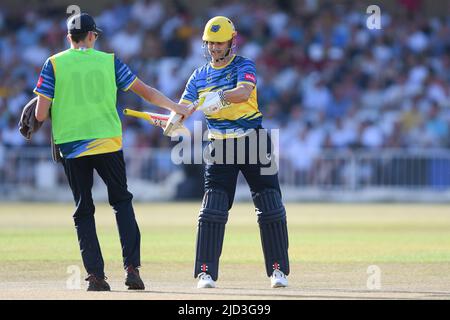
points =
(80, 174)
(224, 176)
(252, 155)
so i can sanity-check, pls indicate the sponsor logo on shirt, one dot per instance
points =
(249, 76)
(40, 82)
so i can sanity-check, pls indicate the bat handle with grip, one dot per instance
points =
(156, 119)
(134, 113)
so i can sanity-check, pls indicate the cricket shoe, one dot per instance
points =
(133, 280)
(97, 283)
(205, 281)
(278, 279)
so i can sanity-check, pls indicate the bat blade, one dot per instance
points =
(175, 121)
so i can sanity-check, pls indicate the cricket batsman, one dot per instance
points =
(225, 89)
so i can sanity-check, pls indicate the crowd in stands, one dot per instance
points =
(325, 79)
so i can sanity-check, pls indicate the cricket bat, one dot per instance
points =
(175, 120)
(156, 119)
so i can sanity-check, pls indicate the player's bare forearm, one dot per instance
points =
(155, 97)
(239, 94)
(42, 108)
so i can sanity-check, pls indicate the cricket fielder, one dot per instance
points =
(79, 87)
(225, 89)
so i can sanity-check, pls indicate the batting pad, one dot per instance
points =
(273, 229)
(211, 230)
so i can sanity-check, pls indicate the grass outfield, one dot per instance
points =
(331, 247)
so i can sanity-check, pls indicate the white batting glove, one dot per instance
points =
(212, 102)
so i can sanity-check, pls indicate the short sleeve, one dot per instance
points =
(190, 93)
(46, 83)
(247, 72)
(124, 76)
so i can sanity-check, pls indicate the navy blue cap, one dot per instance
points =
(86, 23)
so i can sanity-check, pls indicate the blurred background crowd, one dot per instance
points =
(324, 78)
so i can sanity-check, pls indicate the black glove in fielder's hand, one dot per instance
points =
(28, 123)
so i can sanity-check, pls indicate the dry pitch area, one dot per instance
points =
(331, 249)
